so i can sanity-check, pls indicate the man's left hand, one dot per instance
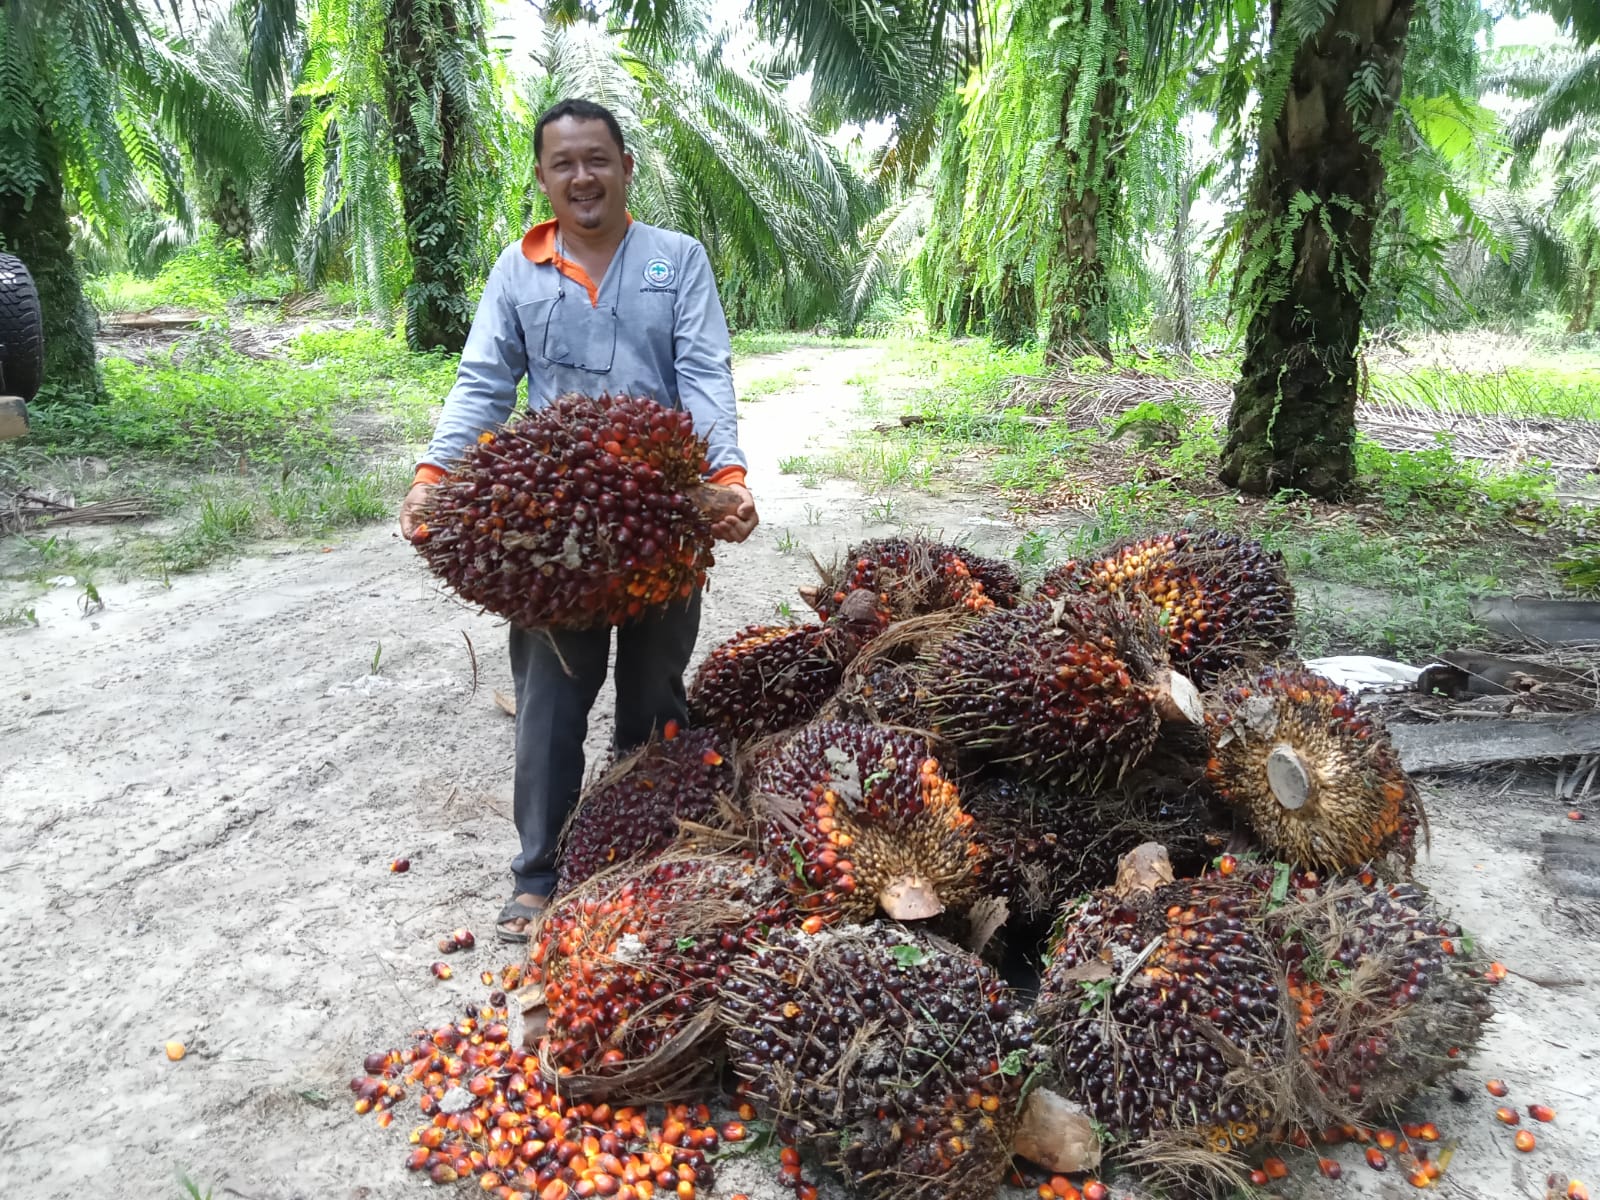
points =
(740, 523)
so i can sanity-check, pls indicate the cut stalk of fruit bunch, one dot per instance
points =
(585, 512)
(1317, 779)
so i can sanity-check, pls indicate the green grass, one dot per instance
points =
(1563, 391)
(769, 385)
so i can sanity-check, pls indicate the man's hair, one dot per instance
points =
(578, 110)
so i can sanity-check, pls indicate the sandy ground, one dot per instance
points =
(203, 787)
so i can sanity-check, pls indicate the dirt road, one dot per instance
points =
(203, 787)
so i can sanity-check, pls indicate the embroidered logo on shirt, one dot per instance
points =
(660, 273)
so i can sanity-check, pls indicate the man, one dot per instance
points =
(591, 301)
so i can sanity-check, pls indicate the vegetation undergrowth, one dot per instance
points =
(227, 448)
(1390, 573)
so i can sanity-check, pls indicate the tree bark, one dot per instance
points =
(1583, 309)
(1293, 419)
(35, 229)
(1080, 316)
(438, 314)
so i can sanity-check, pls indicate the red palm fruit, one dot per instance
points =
(585, 512)
(632, 811)
(861, 818)
(1227, 600)
(1317, 780)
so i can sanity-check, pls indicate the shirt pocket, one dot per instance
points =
(533, 316)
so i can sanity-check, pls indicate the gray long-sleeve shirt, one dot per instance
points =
(655, 328)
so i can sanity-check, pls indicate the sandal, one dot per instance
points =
(515, 910)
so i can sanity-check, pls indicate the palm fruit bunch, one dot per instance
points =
(1043, 847)
(579, 514)
(860, 817)
(900, 1057)
(768, 678)
(1200, 1014)
(914, 576)
(1225, 599)
(1158, 996)
(1073, 691)
(487, 1114)
(632, 811)
(1317, 780)
(1385, 994)
(629, 964)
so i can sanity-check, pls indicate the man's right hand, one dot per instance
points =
(411, 509)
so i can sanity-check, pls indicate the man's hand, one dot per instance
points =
(411, 509)
(740, 523)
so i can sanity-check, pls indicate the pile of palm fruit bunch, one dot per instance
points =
(1225, 600)
(1193, 1018)
(899, 1058)
(627, 967)
(582, 513)
(1208, 845)
(636, 808)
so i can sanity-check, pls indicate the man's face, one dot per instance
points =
(584, 174)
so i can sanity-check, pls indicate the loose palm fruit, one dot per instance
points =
(1227, 601)
(582, 513)
(176, 1050)
(915, 576)
(1497, 1087)
(1317, 780)
(1525, 1141)
(632, 811)
(1377, 1159)
(1541, 1112)
(861, 818)
(1507, 1116)
(898, 1056)
(1074, 692)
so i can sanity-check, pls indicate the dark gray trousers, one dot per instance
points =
(558, 674)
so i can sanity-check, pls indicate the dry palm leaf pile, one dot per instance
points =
(787, 915)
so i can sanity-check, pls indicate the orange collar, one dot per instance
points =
(539, 246)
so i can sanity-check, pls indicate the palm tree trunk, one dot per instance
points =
(438, 314)
(1014, 316)
(1583, 310)
(35, 229)
(1080, 317)
(1293, 418)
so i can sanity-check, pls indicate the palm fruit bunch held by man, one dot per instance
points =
(584, 512)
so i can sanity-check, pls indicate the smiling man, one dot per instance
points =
(592, 301)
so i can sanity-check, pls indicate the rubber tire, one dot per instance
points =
(21, 331)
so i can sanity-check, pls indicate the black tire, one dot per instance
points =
(21, 331)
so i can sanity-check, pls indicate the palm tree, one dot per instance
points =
(1561, 128)
(86, 85)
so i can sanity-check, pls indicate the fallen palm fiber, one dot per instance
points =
(860, 817)
(584, 512)
(1072, 692)
(1317, 779)
(628, 965)
(1227, 601)
(1045, 846)
(488, 1115)
(636, 808)
(1193, 1018)
(914, 576)
(899, 1057)
(768, 678)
